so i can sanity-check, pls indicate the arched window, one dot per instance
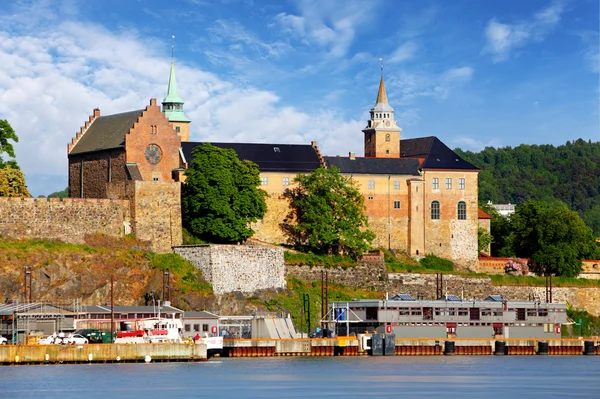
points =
(387, 137)
(435, 210)
(462, 210)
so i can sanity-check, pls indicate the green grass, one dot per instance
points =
(292, 301)
(28, 245)
(506, 279)
(328, 261)
(189, 278)
(590, 324)
(405, 264)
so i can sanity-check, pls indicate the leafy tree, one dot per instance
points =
(7, 133)
(327, 214)
(12, 183)
(569, 173)
(221, 196)
(60, 194)
(500, 230)
(484, 239)
(554, 238)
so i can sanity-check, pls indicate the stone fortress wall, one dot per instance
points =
(152, 213)
(68, 220)
(241, 268)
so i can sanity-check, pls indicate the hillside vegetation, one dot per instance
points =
(569, 173)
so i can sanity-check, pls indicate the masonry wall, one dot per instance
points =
(99, 169)
(372, 274)
(242, 268)
(68, 220)
(156, 213)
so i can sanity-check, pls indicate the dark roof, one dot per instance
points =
(133, 171)
(106, 132)
(268, 157)
(130, 309)
(375, 166)
(495, 298)
(402, 297)
(449, 298)
(200, 314)
(436, 154)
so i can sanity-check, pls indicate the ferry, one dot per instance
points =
(447, 317)
(150, 330)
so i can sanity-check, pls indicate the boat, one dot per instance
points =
(150, 330)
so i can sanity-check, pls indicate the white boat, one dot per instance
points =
(151, 330)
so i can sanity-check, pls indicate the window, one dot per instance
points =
(462, 210)
(178, 129)
(204, 327)
(286, 181)
(370, 197)
(371, 183)
(197, 327)
(448, 183)
(264, 180)
(187, 327)
(435, 210)
(461, 183)
(387, 137)
(396, 185)
(387, 152)
(436, 183)
(396, 204)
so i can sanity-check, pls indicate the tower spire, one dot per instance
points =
(381, 95)
(173, 104)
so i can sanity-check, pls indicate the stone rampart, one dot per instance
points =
(364, 275)
(68, 220)
(242, 268)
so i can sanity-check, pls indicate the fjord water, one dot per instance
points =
(324, 377)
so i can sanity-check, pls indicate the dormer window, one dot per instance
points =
(276, 149)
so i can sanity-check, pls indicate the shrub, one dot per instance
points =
(516, 267)
(436, 263)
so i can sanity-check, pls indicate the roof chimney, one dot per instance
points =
(96, 112)
(153, 101)
(351, 156)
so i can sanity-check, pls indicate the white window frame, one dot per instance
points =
(371, 184)
(461, 183)
(285, 181)
(264, 180)
(448, 183)
(435, 183)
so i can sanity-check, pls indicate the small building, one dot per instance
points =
(201, 323)
(19, 320)
(503, 209)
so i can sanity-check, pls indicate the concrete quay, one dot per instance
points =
(351, 346)
(101, 353)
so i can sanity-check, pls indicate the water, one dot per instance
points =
(314, 377)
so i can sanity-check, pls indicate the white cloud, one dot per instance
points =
(461, 74)
(411, 86)
(331, 25)
(53, 76)
(404, 52)
(502, 38)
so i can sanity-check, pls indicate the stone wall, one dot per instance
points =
(373, 274)
(68, 220)
(156, 213)
(242, 268)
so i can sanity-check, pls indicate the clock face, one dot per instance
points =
(387, 123)
(153, 154)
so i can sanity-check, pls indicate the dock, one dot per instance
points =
(374, 345)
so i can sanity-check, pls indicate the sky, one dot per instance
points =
(473, 73)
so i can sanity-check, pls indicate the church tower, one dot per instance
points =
(382, 134)
(173, 108)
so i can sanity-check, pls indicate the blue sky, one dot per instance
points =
(473, 73)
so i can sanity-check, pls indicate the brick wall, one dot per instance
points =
(66, 220)
(100, 169)
(242, 268)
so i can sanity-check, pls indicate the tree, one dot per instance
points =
(220, 197)
(500, 231)
(60, 194)
(554, 238)
(484, 239)
(12, 183)
(7, 133)
(327, 214)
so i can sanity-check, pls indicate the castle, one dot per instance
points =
(420, 196)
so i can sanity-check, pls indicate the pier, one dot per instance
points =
(374, 345)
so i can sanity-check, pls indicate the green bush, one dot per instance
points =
(328, 261)
(433, 262)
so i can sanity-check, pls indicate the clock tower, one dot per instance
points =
(382, 134)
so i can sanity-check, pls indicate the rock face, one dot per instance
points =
(237, 268)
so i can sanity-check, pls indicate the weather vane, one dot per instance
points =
(173, 48)
(381, 64)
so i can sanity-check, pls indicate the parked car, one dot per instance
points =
(49, 340)
(3, 340)
(76, 339)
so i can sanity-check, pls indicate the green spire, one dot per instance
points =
(173, 104)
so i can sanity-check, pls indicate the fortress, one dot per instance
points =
(125, 172)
